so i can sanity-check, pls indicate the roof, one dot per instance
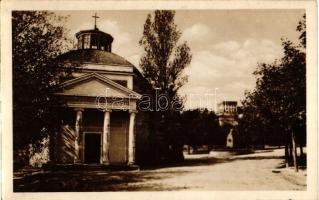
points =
(93, 56)
(96, 31)
(104, 79)
(228, 103)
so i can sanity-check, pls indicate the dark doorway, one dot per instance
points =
(92, 152)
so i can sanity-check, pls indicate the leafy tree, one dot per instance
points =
(38, 37)
(162, 65)
(302, 29)
(278, 103)
(164, 59)
(201, 127)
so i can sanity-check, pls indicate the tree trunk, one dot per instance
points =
(301, 150)
(294, 151)
(286, 155)
(53, 147)
(290, 149)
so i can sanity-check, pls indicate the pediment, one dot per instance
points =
(96, 85)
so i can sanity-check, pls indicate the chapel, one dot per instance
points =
(98, 124)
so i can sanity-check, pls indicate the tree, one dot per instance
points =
(201, 127)
(164, 60)
(162, 65)
(38, 37)
(279, 99)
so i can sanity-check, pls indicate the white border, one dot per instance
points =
(6, 83)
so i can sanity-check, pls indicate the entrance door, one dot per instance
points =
(92, 152)
(118, 137)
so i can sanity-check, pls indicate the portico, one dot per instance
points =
(99, 110)
(103, 124)
(81, 135)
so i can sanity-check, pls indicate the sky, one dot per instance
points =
(226, 45)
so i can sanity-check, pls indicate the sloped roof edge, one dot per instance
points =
(103, 79)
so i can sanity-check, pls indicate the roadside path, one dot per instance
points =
(215, 171)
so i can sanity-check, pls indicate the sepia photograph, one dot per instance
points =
(161, 100)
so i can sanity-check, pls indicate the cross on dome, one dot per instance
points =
(94, 38)
(95, 17)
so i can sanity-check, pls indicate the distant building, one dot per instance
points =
(227, 113)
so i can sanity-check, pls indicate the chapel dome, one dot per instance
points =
(94, 39)
(94, 47)
(93, 56)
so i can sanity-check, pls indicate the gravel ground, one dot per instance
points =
(215, 171)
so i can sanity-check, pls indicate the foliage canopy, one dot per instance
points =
(38, 37)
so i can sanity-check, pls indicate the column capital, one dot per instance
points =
(133, 111)
(107, 110)
(78, 109)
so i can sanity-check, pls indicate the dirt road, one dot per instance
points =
(214, 171)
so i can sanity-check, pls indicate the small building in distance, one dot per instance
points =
(227, 112)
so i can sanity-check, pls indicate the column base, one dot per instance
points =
(133, 167)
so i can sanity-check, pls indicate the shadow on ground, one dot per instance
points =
(86, 180)
(189, 162)
(109, 180)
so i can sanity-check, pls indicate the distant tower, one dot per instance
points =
(228, 120)
(94, 38)
(227, 113)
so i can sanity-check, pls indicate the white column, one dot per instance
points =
(106, 137)
(131, 139)
(78, 127)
